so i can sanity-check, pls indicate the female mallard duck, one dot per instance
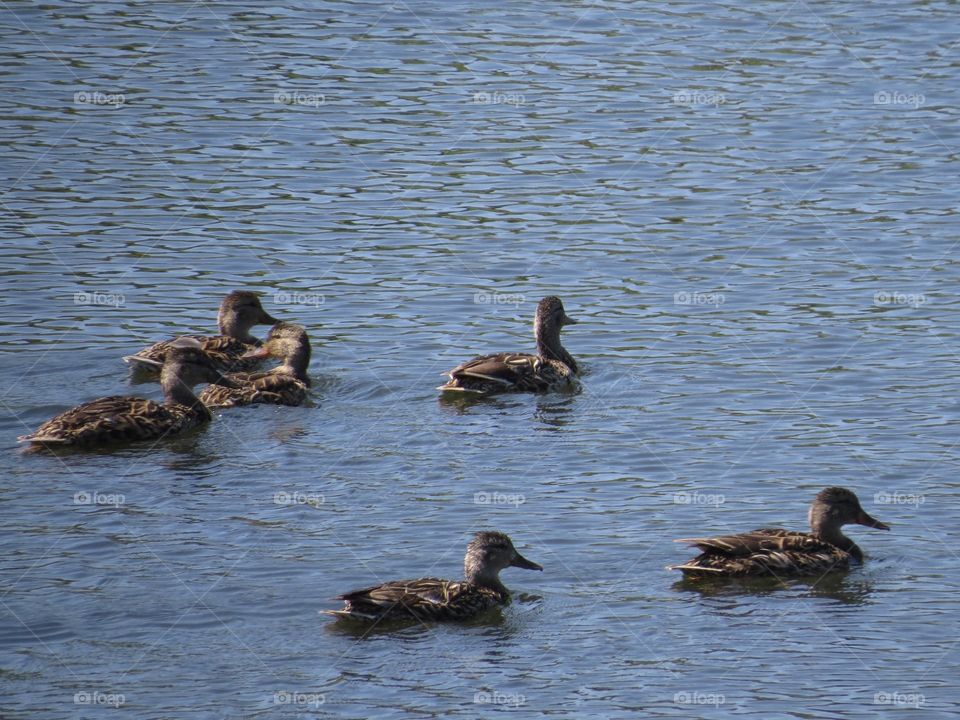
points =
(552, 368)
(434, 599)
(783, 552)
(122, 418)
(239, 312)
(285, 384)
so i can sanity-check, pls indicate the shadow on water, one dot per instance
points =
(410, 629)
(834, 586)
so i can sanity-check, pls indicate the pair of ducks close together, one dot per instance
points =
(186, 362)
(767, 551)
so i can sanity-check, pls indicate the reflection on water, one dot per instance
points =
(833, 586)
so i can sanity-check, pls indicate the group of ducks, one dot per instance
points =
(228, 362)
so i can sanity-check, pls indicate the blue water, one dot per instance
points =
(750, 209)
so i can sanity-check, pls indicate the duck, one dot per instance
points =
(123, 418)
(239, 311)
(285, 384)
(551, 368)
(777, 552)
(433, 599)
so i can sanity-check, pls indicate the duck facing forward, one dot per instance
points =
(122, 418)
(783, 552)
(239, 312)
(552, 368)
(434, 599)
(285, 384)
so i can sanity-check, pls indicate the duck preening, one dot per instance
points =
(239, 312)
(286, 384)
(123, 418)
(551, 368)
(776, 552)
(434, 599)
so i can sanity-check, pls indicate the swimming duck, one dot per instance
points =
(783, 552)
(239, 311)
(121, 418)
(552, 368)
(433, 599)
(285, 384)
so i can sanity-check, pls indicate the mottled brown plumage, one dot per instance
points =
(551, 368)
(121, 418)
(435, 599)
(285, 384)
(771, 551)
(239, 312)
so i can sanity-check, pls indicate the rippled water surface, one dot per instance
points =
(751, 210)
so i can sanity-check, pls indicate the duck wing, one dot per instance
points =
(118, 418)
(422, 599)
(506, 372)
(767, 551)
(256, 388)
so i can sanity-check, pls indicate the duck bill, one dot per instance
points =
(521, 562)
(260, 352)
(267, 319)
(567, 320)
(864, 519)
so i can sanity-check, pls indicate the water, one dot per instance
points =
(750, 210)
